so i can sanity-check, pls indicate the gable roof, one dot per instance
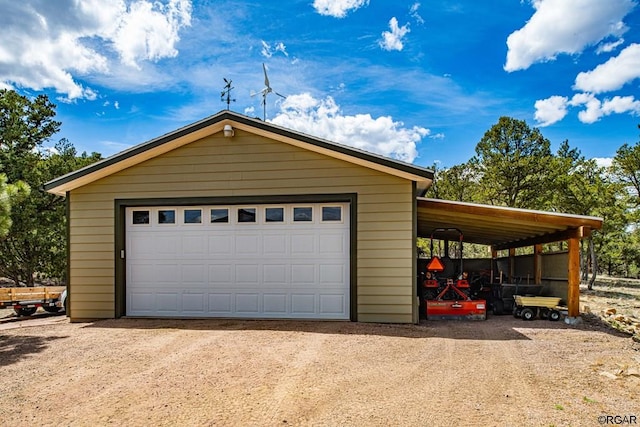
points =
(216, 123)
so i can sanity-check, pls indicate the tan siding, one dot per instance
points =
(386, 253)
(383, 308)
(248, 165)
(365, 262)
(97, 239)
(382, 290)
(381, 281)
(385, 318)
(98, 289)
(93, 255)
(382, 299)
(92, 282)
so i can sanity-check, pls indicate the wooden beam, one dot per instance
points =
(573, 294)
(537, 264)
(512, 213)
(572, 233)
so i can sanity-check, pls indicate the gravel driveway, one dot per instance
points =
(139, 372)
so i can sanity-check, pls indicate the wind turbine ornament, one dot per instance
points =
(225, 95)
(267, 90)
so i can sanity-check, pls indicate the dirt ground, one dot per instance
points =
(139, 372)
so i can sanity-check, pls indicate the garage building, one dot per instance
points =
(234, 217)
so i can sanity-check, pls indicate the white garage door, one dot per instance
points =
(259, 261)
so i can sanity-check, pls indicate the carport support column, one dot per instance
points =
(573, 294)
(512, 264)
(537, 264)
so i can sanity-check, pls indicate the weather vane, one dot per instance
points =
(225, 95)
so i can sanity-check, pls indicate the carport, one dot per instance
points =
(504, 228)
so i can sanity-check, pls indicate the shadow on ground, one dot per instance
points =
(495, 328)
(480, 330)
(14, 348)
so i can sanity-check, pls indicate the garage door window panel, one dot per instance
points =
(331, 214)
(272, 215)
(246, 215)
(166, 216)
(140, 218)
(219, 215)
(192, 216)
(303, 214)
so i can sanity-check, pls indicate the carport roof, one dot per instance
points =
(501, 227)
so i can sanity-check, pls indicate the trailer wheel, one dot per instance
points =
(51, 309)
(554, 315)
(527, 314)
(517, 312)
(544, 313)
(25, 311)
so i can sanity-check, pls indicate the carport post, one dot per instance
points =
(512, 264)
(537, 264)
(573, 293)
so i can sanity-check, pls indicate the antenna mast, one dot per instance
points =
(225, 95)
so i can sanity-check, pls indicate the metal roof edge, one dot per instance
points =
(514, 210)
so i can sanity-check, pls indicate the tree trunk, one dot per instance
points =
(584, 263)
(594, 264)
(16, 280)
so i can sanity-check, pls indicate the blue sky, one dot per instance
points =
(417, 81)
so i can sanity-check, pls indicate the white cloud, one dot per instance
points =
(592, 113)
(564, 26)
(413, 11)
(114, 146)
(596, 109)
(116, 105)
(392, 40)
(267, 51)
(613, 74)
(550, 110)
(149, 31)
(621, 104)
(603, 162)
(323, 118)
(555, 108)
(609, 47)
(49, 44)
(338, 8)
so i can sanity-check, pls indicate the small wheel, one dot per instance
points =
(554, 315)
(498, 307)
(517, 312)
(52, 309)
(25, 311)
(527, 314)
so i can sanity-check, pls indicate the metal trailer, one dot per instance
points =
(25, 301)
(528, 308)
